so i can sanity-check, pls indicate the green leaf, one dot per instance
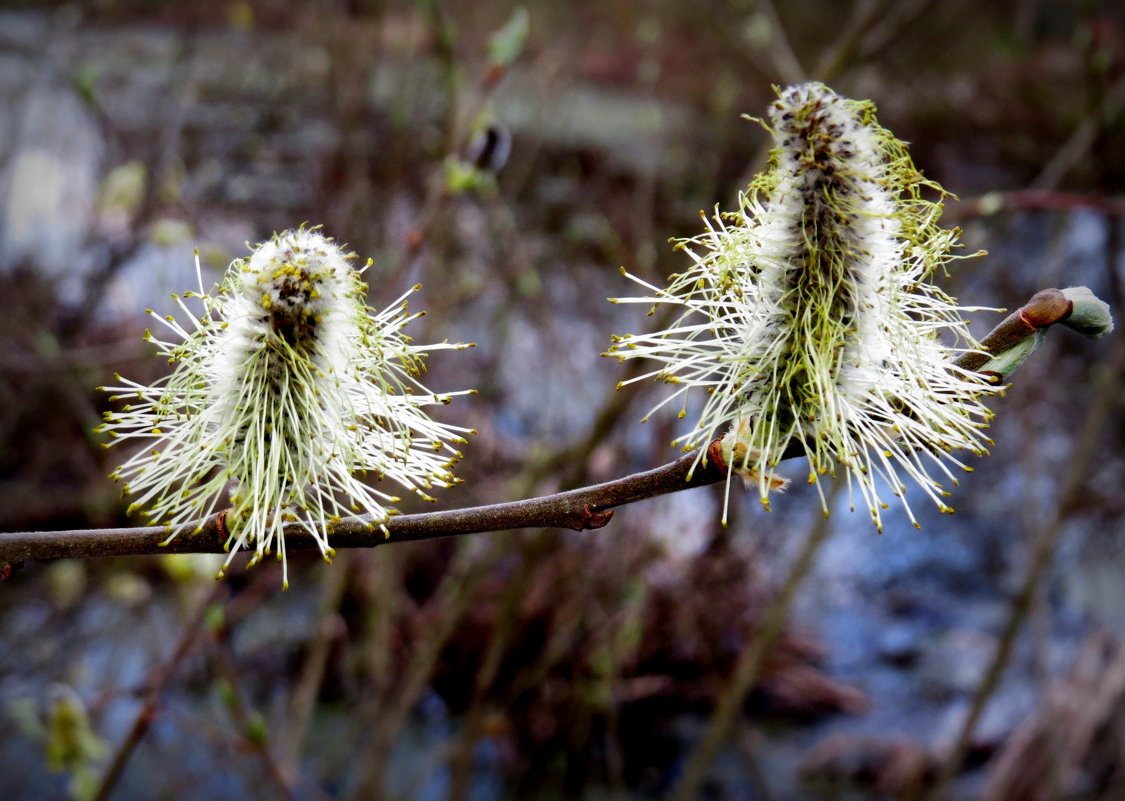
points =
(25, 713)
(216, 619)
(505, 46)
(460, 177)
(256, 731)
(1091, 315)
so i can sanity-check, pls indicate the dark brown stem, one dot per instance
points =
(580, 509)
(1046, 307)
(586, 508)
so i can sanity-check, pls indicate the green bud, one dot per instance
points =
(1091, 316)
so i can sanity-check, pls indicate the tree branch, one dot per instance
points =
(1046, 307)
(580, 509)
(586, 508)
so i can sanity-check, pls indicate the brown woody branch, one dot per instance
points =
(587, 508)
(1046, 307)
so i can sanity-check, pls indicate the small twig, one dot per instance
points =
(749, 745)
(865, 13)
(157, 168)
(449, 604)
(1044, 543)
(511, 602)
(881, 33)
(994, 203)
(1082, 139)
(159, 681)
(750, 660)
(1045, 308)
(781, 52)
(310, 677)
(281, 775)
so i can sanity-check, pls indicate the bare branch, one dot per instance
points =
(586, 508)
(1045, 308)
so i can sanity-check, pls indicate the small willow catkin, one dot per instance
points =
(807, 316)
(287, 389)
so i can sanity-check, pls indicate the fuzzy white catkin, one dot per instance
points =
(287, 391)
(807, 320)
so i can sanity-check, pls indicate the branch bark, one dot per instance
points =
(587, 508)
